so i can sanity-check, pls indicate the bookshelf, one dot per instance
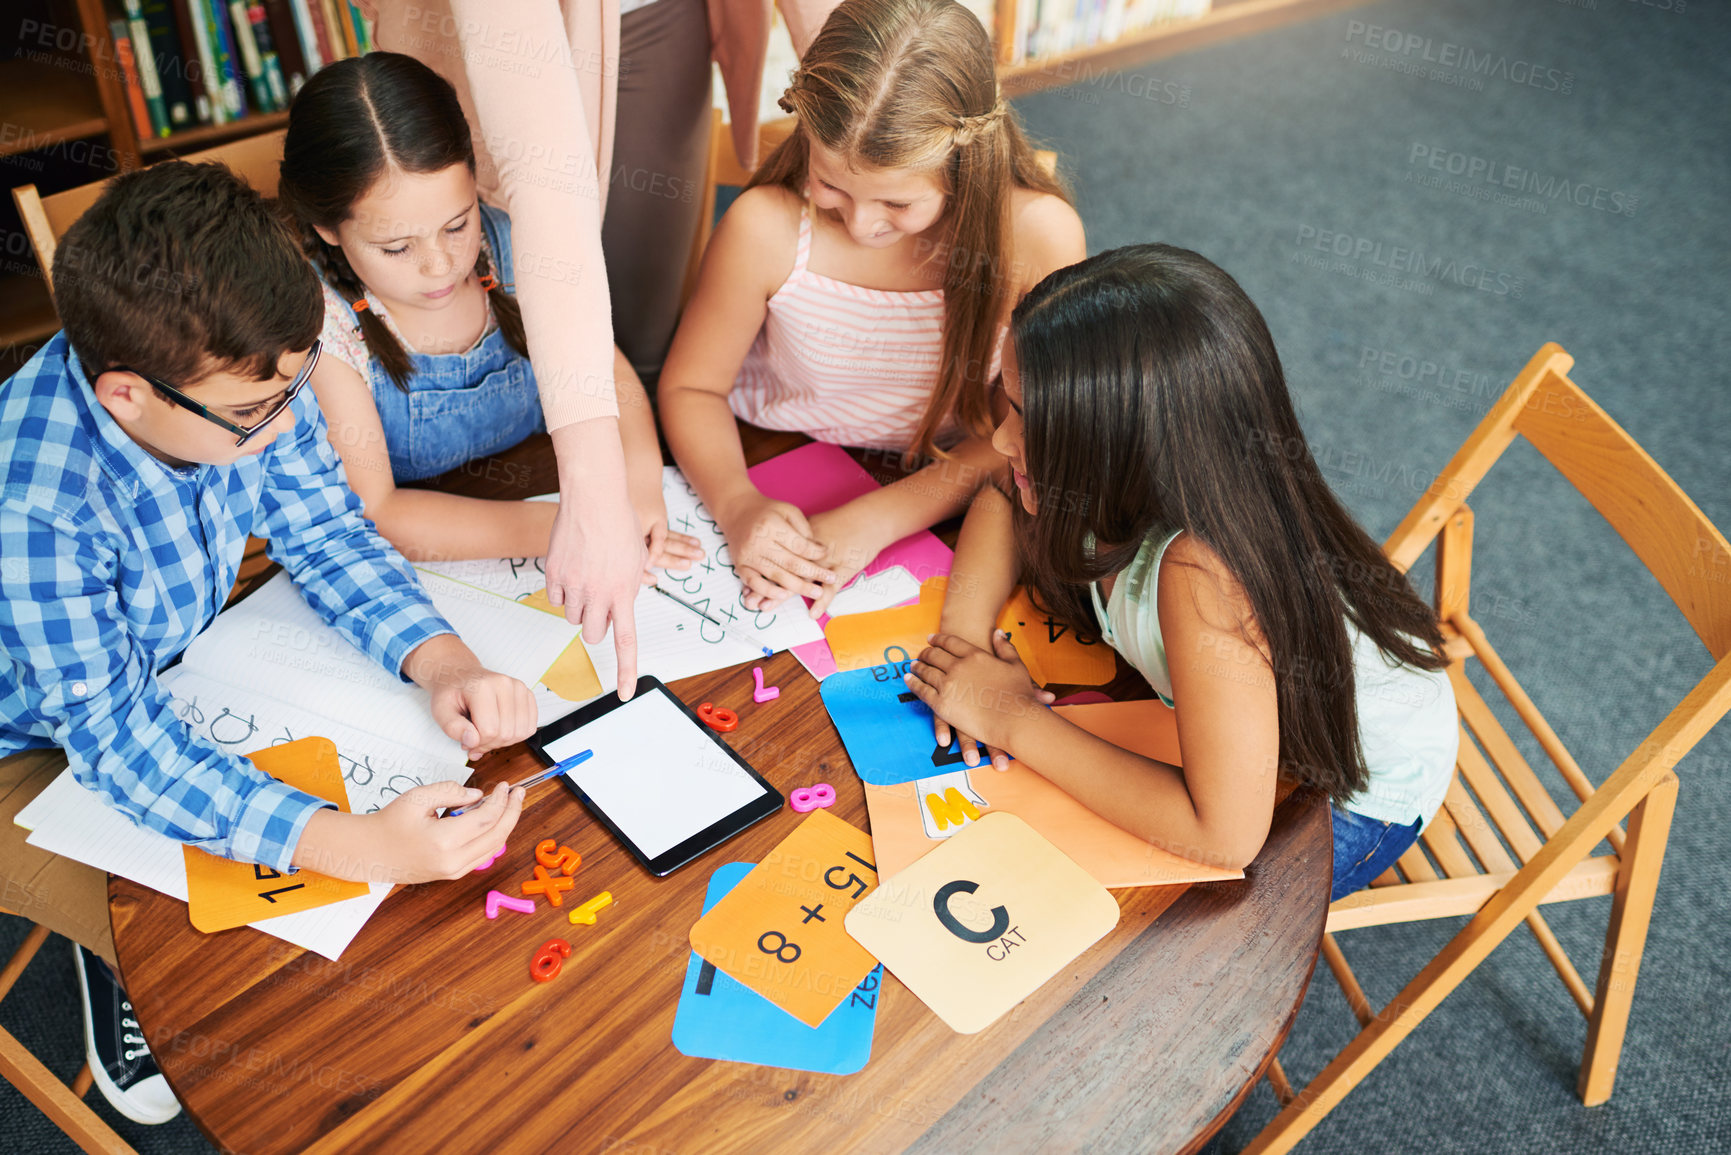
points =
(1020, 76)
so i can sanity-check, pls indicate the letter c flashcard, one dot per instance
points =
(979, 923)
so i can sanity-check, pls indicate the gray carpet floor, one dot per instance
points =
(1339, 132)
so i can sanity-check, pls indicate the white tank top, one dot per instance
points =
(1406, 717)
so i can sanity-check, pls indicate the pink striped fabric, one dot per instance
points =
(842, 363)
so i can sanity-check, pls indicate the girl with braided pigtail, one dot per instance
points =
(428, 367)
(859, 288)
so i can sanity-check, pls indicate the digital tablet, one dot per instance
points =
(665, 784)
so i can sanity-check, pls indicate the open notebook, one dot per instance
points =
(269, 670)
(672, 642)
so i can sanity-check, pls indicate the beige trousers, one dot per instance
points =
(64, 895)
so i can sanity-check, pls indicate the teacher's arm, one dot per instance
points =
(532, 125)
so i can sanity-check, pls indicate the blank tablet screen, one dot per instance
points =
(656, 774)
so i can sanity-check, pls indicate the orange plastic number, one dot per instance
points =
(549, 959)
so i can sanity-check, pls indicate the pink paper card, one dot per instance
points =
(819, 477)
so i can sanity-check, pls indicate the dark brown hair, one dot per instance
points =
(1153, 401)
(911, 84)
(353, 121)
(180, 271)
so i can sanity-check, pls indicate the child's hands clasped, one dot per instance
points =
(852, 541)
(774, 551)
(483, 710)
(981, 695)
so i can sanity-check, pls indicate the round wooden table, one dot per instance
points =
(429, 1035)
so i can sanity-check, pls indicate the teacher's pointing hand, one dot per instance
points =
(595, 560)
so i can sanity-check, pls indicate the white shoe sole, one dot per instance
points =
(149, 1101)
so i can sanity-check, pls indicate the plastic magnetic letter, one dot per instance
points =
(809, 798)
(492, 860)
(548, 884)
(553, 856)
(761, 693)
(495, 900)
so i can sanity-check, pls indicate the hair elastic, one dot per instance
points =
(489, 282)
(359, 306)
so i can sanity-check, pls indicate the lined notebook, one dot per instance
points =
(269, 671)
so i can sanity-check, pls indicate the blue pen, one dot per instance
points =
(540, 776)
(733, 632)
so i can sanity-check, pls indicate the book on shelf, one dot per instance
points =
(201, 77)
(126, 67)
(251, 62)
(285, 39)
(1049, 27)
(173, 67)
(141, 61)
(222, 44)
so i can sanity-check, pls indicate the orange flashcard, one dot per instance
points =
(911, 819)
(222, 893)
(977, 925)
(1052, 652)
(780, 930)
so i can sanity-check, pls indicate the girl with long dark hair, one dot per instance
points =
(426, 366)
(1166, 501)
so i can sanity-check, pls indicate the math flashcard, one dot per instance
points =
(719, 1018)
(977, 925)
(1052, 652)
(886, 729)
(222, 893)
(780, 930)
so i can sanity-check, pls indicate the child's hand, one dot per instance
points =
(406, 841)
(774, 551)
(852, 540)
(978, 693)
(484, 710)
(665, 549)
(418, 846)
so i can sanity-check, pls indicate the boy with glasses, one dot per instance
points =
(143, 444)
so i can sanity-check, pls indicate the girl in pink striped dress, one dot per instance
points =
(857, 291)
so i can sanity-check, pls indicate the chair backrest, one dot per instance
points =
(46, 218)
(1684, 551)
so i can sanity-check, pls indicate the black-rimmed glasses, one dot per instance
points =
(244, 432)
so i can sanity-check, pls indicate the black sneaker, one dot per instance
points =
(119, 1057)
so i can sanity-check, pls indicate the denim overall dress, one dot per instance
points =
(459, 406)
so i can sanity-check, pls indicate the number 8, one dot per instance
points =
(776, 951)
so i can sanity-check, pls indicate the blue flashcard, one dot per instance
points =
(721, 1018)
(887, 731)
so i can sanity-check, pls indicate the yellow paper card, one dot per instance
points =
(1051, 651)
(222, 893)
(780, 931)
(977, 925)
(572, 675)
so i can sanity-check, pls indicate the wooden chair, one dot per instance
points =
(46, 219)
(66, 1107)
(1519, 850)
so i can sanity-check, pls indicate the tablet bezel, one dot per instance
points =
(704, 840)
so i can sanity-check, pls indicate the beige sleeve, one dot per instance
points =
(537, 79)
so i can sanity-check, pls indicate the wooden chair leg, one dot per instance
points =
(1279, 1083)
(1625, 938)
(1348, 981)
(72, 1115)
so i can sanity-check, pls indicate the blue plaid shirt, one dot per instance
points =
(111, 562)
